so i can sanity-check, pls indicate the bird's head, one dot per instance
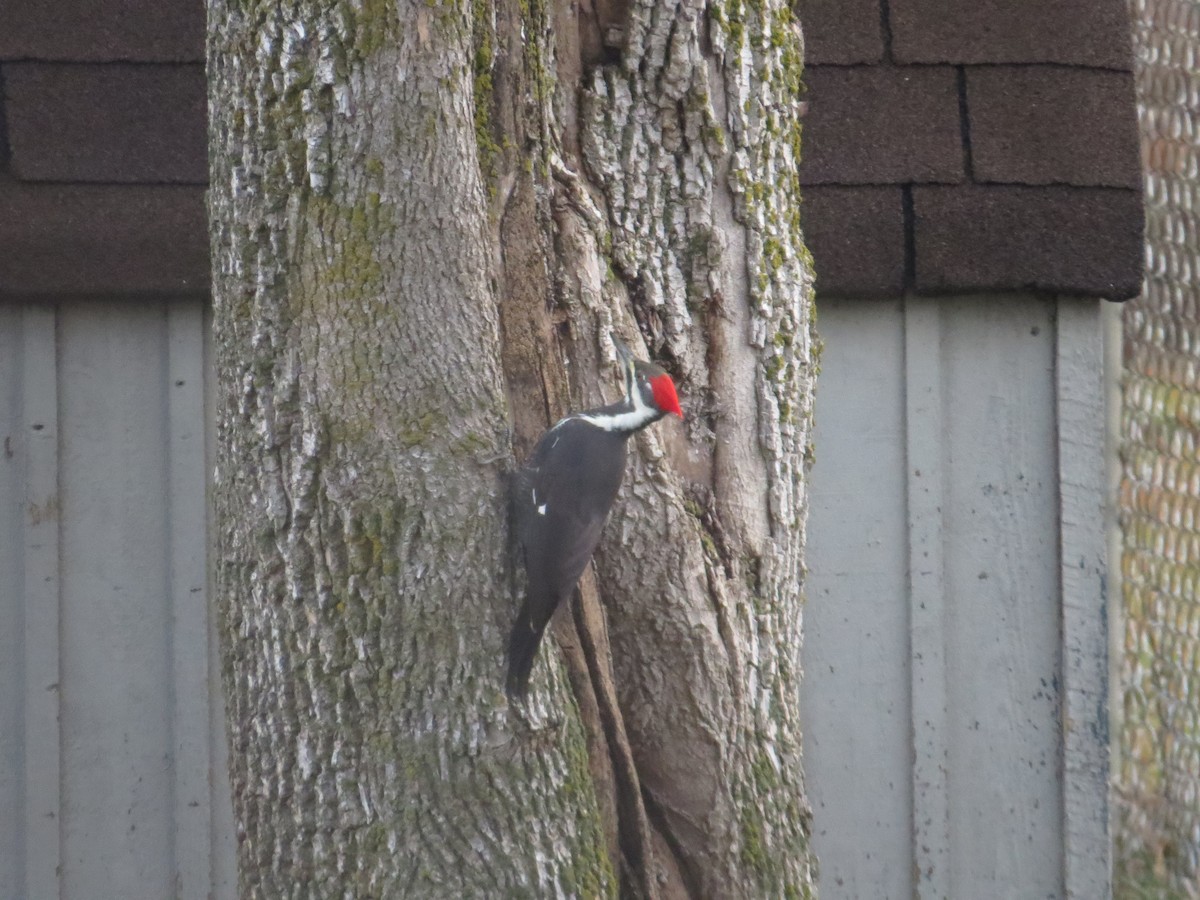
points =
(647, 384)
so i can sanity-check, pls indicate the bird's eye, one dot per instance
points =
(641, 378)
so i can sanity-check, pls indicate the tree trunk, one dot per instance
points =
(426, 219)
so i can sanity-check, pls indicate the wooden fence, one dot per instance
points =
(111, 769)
(955, 613)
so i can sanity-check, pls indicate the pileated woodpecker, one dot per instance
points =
(563, 494)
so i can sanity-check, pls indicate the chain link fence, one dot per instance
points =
(1158, 780)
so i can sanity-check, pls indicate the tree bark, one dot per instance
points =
(425, 221)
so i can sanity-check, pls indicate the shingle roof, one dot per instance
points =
(950, 146)
(102, 147)
(971, 147)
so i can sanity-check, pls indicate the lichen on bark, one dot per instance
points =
(361, 565)
(674, 212)
(696, 153)
(422, 236)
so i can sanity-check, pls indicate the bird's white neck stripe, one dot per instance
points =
(626, 421)
(634, 418)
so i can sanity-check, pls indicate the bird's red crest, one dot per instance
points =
(665, 397)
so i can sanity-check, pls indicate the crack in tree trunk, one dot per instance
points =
(637, 844)
(641, 162)
(588, 661)
(714, 532)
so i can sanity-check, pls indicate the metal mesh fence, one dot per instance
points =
(1158, 782)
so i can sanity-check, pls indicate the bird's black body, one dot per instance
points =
(575, 495)
(561, 499)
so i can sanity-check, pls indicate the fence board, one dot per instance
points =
(186, 515)
(39, 422)
(1004, 641)
(12, 612)
(936, 602)
(224, 831)
(855, 691)
(925, 478)
(1085, 651)
(116, 666)
(106, 713)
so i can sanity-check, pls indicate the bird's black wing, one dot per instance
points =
(562, 499)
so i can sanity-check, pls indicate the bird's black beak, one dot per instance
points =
(625, 358)
(624, 355)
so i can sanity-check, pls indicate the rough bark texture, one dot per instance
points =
(426, 220)
(362, 425)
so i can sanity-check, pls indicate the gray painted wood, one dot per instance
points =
(1002, 582)
(855, 699)
(29, 604)
(186, 512)
(982, 623)
(223, 829)
(1081, 465)
(110, 779)
(116, 662)
(38, 423)
(925, 477)
(1112, 328)
(116, 773)
(12, 613)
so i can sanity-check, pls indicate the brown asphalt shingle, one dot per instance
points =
(1071, 32)
(882, 125)
(1053, 125)
(841, 32)
(102, 30)
(857, 235)
(110, 123)
(129, 239)
(1054, 238)
(1010, 123)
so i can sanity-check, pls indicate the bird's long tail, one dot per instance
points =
(522, 651)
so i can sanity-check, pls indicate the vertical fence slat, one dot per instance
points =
(224, 829)
(925, 477)
(116, 716)
(1084, 606)
(39, 382)
(855, 694)
(189, 610)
